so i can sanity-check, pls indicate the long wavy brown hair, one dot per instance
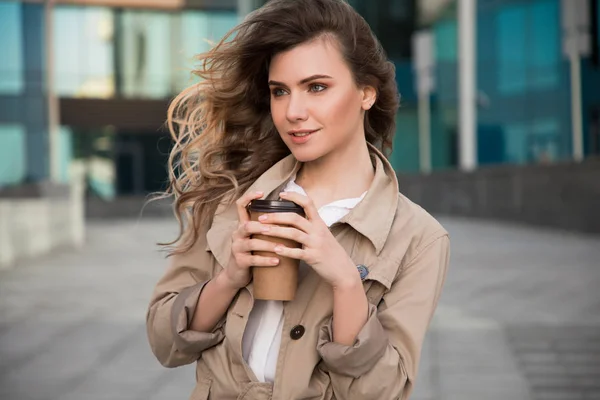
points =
(222, 128)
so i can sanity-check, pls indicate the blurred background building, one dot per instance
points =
(500, 111)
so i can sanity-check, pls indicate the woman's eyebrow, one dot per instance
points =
(303, 81)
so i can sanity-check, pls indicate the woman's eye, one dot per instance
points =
(278, 92)
(317, 87)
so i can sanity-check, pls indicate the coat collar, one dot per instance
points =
(372, 217)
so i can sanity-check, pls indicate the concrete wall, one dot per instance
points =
(564, 196)
(37, 219)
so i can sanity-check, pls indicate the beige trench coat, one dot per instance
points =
(406, 252)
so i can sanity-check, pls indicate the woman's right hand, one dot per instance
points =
(238, 273)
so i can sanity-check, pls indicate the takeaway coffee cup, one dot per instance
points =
(278, 282)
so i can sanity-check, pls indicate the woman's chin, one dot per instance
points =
(305, 156)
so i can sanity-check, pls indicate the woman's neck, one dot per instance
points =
(340, 175)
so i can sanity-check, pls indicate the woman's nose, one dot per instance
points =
(296, 110)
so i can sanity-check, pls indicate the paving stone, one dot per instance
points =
(539, 358)
(578, 345)
(593, 395)
(588, 382)
(559, 395)
(544, 369)
(109, 380)
(539, 382)
(581, 358)
(583, 370)
(532, 345)
(69, 330)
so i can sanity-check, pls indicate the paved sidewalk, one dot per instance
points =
(519, 319)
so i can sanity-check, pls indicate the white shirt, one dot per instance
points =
(262, 337)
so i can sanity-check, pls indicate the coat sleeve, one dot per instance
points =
(384, 360)
(173, 305)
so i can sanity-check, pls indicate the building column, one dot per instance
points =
(34, 101)
(576, 21)
(467, 81)
(424, 66)
(54, 145)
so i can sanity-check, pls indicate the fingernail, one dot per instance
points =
(278, 249)
(262, 218)
(283, 194)
(265, 228)
(259, 193)
(274, 261)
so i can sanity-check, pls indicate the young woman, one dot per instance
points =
(298, 103)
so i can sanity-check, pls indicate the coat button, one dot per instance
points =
(297, 332)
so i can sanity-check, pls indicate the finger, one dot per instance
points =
(284, 251)
(303, 201)
(261, 261)
(243, 202)
(252, 228)
(290, 219)
(286, 233)
(251, 245)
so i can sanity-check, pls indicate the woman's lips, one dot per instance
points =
(299, 137)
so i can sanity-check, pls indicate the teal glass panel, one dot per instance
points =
(445, 55)
(157, 66)
(147, 54)
(512, 49)
(545, 140)
(11, 48)
(445, 98)
(442, 142)
(545, 44)
(523, 115)
(405, 154)
(194, 40)
(446, 43)
(515, 135)
(65, 151)
(83, 52)
(159, 49)
(13, 161)
(405, 79)
(199, 31)
(220, 24)
(133, 49)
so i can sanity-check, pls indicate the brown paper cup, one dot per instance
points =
(278, 282)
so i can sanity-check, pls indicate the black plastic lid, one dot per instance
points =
(275, 206)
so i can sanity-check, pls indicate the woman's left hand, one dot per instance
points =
(319, 249)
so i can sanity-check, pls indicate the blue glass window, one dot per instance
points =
(83, 51)
(545, 44)
(12, 154)
(445, 34)
(528, 46)
(512, 49)
(11, 62)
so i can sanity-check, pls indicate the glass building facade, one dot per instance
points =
(97, 53)
(526, 81)
(84, 52)
(523, 85)
(23, 116)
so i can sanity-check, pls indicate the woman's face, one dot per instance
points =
(315, 104)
